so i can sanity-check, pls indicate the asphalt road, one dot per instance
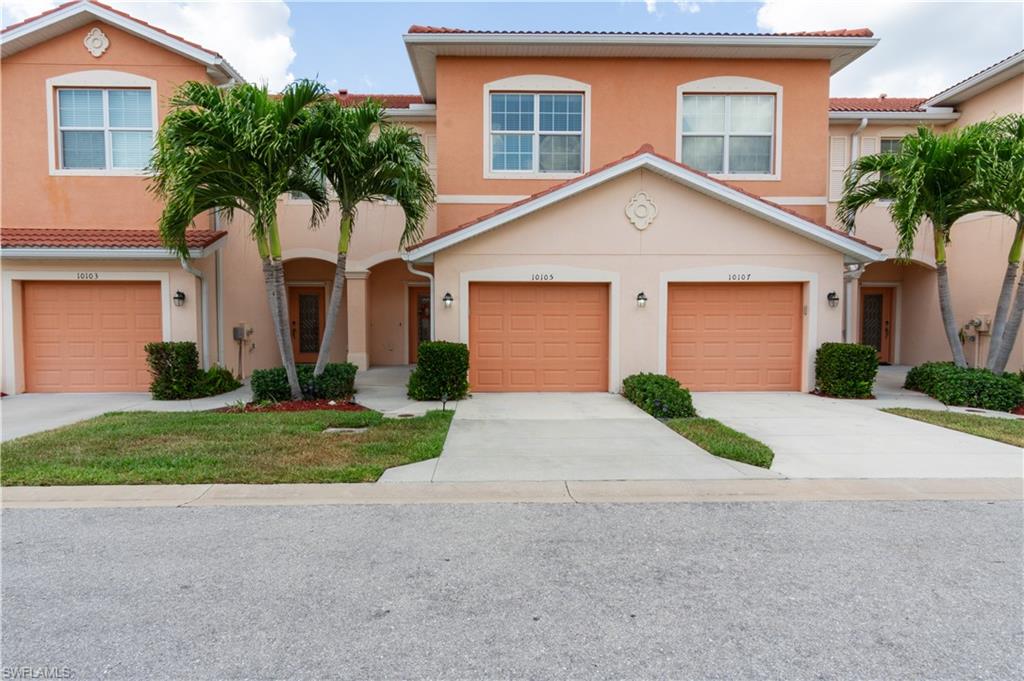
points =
(740, 590)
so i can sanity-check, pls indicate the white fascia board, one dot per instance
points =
(132, 26)
(845, 245)
(57, 253)
(424, 114)
(857, 116)
(634, 39)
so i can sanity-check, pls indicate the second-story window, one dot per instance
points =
(105, 129)
(729, 134)
(539, 133)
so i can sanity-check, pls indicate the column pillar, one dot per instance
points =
(358, 325)
(851, 316)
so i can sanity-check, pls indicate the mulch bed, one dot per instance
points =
(818, 393)
(297, 405)
(1019, 411)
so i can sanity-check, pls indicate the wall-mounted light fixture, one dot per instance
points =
(447, 299)
(179, 299)
(833, 299)
(641, 300)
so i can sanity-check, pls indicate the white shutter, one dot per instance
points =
(837, 162)
(868, 146)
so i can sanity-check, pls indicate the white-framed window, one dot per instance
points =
(729, 134)
(536, 132)
(104, 128)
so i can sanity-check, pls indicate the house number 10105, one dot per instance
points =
(739, 277)
(542, 277)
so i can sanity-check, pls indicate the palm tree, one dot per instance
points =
(1002, 173)
(240, 149)
(367, 159)
(934, 177)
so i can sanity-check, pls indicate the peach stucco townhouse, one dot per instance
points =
(607, 204)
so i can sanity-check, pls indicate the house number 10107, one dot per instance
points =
(739, 277)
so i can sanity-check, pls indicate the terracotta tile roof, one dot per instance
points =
(645, 149)
(31, 237)
(876, 103)
(115, 11)
(346, 98)
(837, 33)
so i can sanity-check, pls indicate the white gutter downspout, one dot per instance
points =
(855, 140)
(430, 278)
(203, 306)
(219, 281)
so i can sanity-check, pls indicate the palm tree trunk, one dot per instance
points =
(279, 307)
(336, 293)
(1005, 297)
(1010, 331)
(946, 300)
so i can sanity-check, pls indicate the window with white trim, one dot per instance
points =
(104, 129)
(729, 134)
(536, 132)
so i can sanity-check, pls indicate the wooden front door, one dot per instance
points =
(419, 319)
(876, 321)
(306, 315)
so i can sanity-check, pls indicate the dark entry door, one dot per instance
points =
(876, 321)
(306, 314)
(419, 319)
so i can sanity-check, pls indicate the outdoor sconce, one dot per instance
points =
(179, 299)
(641, 300)
(833, 299)
(447, 299)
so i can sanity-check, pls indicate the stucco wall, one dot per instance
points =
(588, 238)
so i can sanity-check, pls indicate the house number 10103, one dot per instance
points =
(90, 276)
(739, 277)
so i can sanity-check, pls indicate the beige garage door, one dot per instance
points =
(538, 337)
(735, 336)
(89, 336)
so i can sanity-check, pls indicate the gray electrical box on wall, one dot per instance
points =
(238, 332)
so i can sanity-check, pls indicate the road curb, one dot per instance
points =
(549, 492)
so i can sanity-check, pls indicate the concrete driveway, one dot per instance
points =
(817, 437)
(565, 436)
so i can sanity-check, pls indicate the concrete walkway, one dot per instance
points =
(565, 436)
(35, 412)
(817, 437)
(383, 389)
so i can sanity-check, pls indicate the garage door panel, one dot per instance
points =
(89, 336)
(735, 336)
(557, 338)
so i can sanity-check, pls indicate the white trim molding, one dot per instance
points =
(562, 274)
(12, 361)
(527, 84)
(720, 274)
(98, 79)
(853, 249)
(727, 85)
(57, 253)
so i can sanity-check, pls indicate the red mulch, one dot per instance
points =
(1019, 411)
(298, 405)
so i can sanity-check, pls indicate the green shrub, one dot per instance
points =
(965, 387)
(175, 370)
(216, 381)
(441, 372)
(845, 369)
(658, 395)
(337, 382)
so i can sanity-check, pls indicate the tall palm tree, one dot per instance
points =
(240, 149)
(933, 177)
(1002, 173)
(367, 159)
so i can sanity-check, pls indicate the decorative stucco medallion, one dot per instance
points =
(97, 42)
(641, 210)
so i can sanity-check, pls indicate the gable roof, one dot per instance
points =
(856, 250)
(875, 103)
(426, 43)
(346, 98)
(78, 13)
(985, 79)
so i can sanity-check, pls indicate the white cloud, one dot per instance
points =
(924, 46)
(254, 36)
(687, 6)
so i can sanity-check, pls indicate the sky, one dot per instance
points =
(925, 46)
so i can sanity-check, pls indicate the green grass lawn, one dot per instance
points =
(721, 440)
(1010, 431)
(205, 447)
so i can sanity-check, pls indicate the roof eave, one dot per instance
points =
(907, 116)
(978, 83)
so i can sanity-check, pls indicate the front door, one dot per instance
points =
(419, 319)
(306, 315)
(876, 321)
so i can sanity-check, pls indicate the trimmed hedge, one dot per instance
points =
(337, 382)
(658, 395)
(177, 376)
(441, 373)
(966, 387)
(845, 370)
